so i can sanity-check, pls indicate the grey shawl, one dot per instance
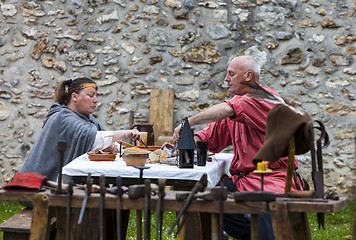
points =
(61, 124)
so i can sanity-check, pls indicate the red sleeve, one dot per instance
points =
(217, 135)
(251, 111)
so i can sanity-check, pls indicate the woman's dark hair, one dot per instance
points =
(63, 94)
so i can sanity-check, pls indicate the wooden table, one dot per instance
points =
(178, 178)
(45, 204)
(289, 216)
(183, 178)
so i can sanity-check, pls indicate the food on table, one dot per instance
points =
(136, 149)
(156, 156)
(102, 152)
(161, 153)
(153, 156)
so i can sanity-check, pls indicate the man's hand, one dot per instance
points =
(168, 145)
(176, 134)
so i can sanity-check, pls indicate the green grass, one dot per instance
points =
(337, 225)
(168, 219)
(7, 210)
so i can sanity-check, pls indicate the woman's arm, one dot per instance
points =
(105, 140)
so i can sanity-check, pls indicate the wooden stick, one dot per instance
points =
(125, 144)
(290, 168)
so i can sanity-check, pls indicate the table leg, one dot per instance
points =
(61, 223)
(192, 228)
(73, 222)
(254, 227)
(214, 226)
(182, 232)
(300, 225)
(125, 216)
(138, 224)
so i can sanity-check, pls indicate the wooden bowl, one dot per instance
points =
(93, 156)
(135, 158)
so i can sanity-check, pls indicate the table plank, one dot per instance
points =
(169, 203)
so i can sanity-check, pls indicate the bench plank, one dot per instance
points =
(21, 222)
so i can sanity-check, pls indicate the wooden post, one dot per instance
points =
(138, 224)
(181, 235)
(214, 226)
(40, 218)
(61, 223)
(290, 166)
(254, 227)
(289, 225)
(161, 110)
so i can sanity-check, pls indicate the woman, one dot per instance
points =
(70, 119)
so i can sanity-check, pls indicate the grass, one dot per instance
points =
(337, 225)
(168, 219)
(7, 210)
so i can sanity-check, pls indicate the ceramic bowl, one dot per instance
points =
(93, 156)
(135, 158)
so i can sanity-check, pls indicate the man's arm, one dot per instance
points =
(212, 114)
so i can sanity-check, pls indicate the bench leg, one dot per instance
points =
(40, 218)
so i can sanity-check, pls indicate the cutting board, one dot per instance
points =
(161, 110)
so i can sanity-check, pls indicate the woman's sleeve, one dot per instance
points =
(102, 140)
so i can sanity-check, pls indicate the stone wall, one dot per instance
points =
(306, 50)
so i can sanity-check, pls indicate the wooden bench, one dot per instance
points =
(289, 216)
(18, 226)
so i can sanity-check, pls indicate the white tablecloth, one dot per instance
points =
(81, 166)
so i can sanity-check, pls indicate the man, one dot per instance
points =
(241, 122)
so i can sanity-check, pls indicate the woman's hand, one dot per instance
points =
(134, 134)
(111, 148)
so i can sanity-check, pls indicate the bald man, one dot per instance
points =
(241, 122)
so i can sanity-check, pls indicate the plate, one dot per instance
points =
(101, 156)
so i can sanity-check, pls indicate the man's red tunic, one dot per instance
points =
(246, 132)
